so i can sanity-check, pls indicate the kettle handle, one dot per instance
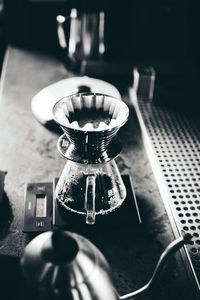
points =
(90, 199)
(172, 247)
(60, 31)
(73, 31)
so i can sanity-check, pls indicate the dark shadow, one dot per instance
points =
(6, 215)
(131, 131)
(11, 280)
(54, 127)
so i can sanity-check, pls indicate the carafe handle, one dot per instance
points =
(90, 199)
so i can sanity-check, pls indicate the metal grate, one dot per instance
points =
(173, 142)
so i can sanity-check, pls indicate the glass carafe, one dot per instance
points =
(91, 189)
(90, 182)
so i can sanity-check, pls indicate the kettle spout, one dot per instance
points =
(172, 248)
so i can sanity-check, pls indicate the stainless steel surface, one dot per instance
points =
(111, 151)
(172, 140)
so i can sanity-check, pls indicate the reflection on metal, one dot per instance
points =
(172, 142)
(69, 266)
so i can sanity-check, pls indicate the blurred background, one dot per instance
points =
(162, 33)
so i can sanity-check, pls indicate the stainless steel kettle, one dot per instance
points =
(63, 265)
(81, 35)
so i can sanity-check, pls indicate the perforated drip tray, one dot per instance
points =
(172, 142)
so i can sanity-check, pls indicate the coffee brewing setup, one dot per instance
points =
(59, 264)
(90, 183)
(87, 219)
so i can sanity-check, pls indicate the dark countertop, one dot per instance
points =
(28, 153)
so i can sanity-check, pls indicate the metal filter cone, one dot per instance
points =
(90, 122)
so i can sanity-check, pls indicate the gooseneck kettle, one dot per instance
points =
(63, 265)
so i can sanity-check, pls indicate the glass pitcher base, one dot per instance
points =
(100, 212)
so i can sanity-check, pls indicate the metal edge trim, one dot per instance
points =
(135, 200)
(25, 195)
(161, 186)
(3, 72)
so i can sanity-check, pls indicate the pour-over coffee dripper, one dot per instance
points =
(90, 183)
